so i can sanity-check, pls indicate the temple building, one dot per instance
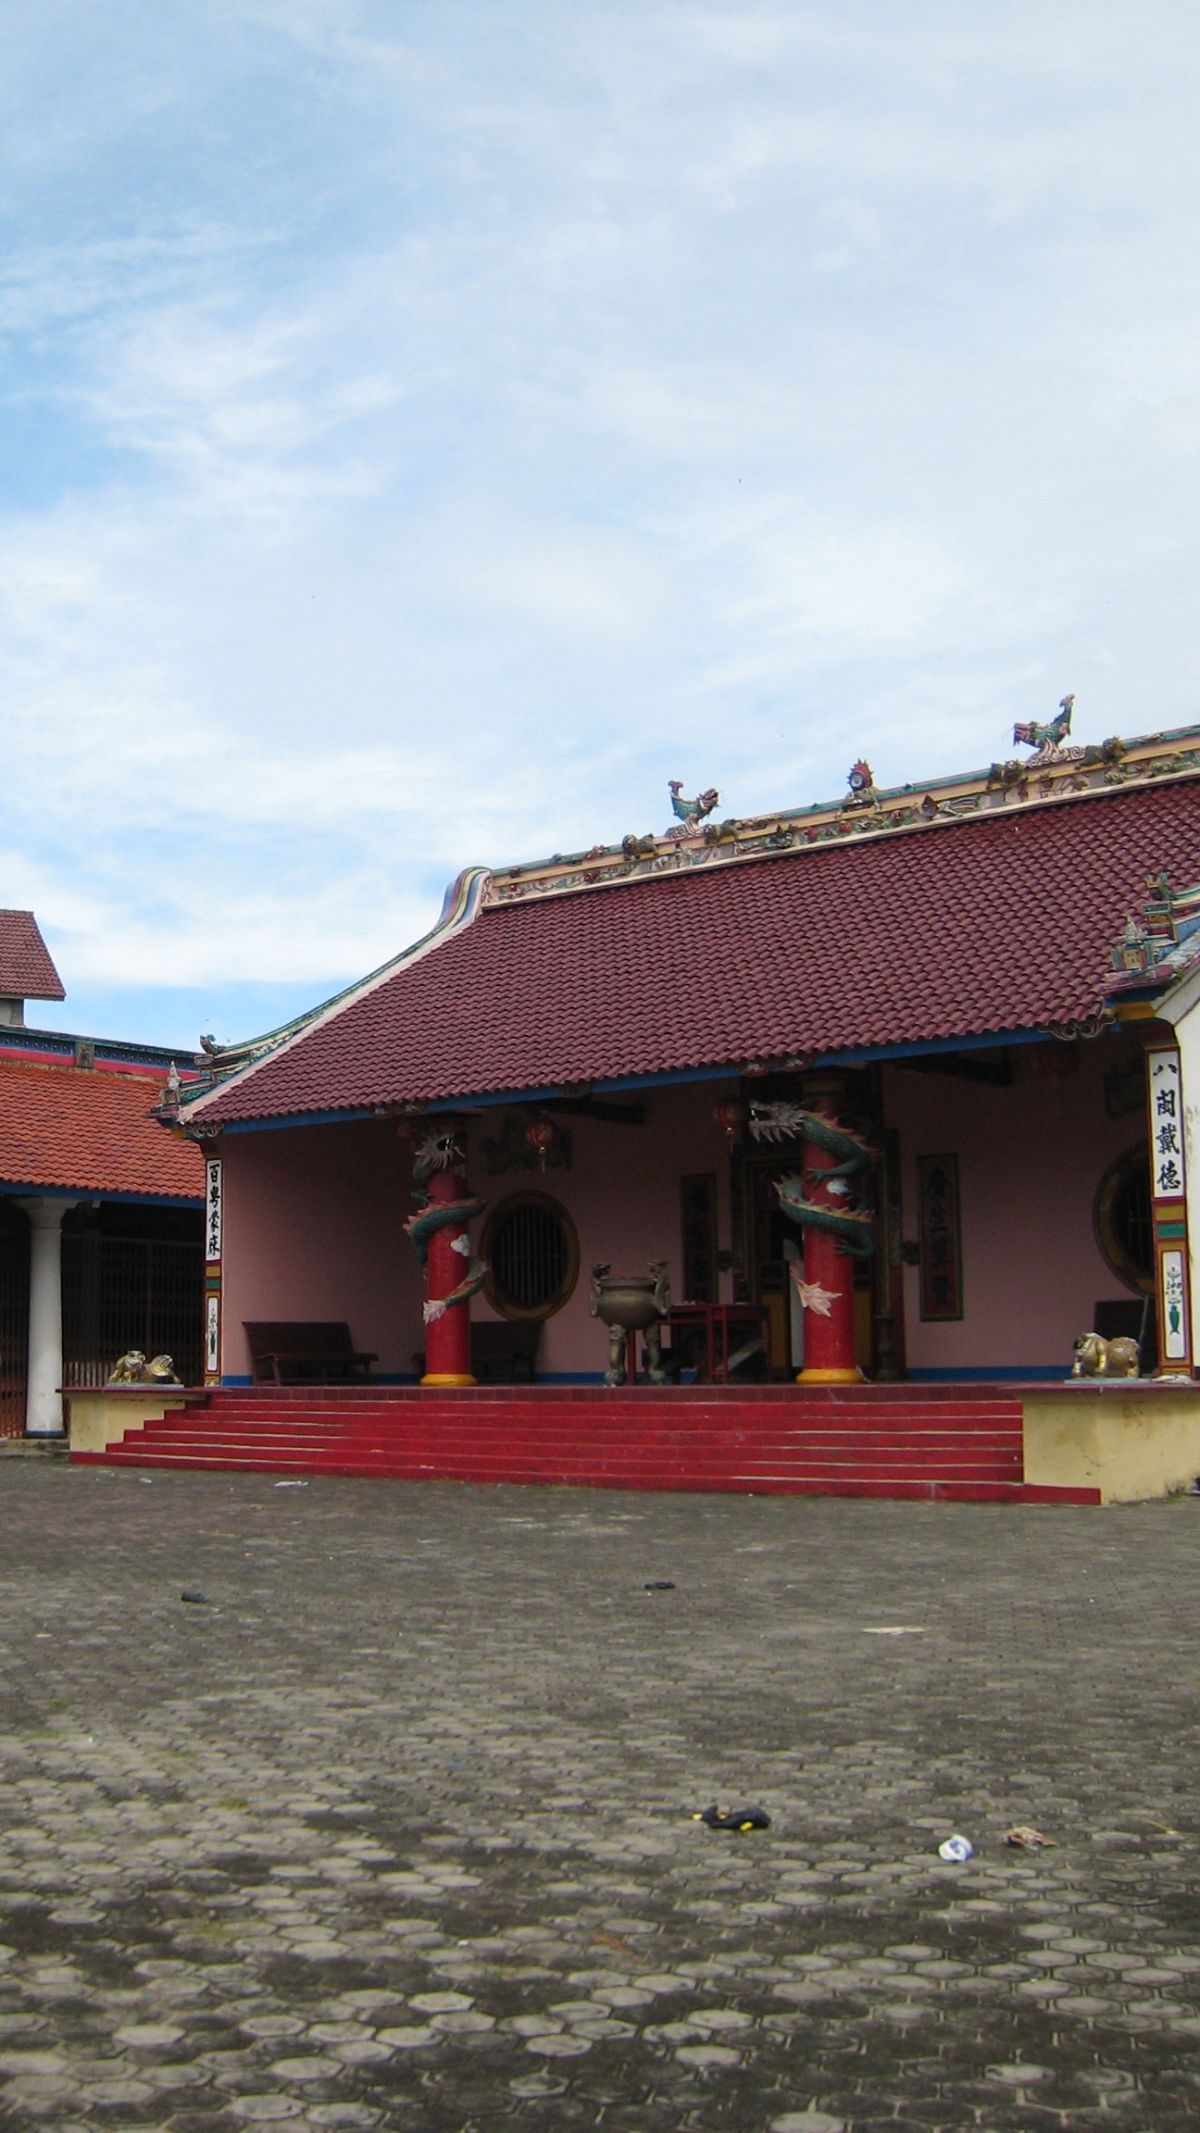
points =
(893, 1093)
(100, 1212)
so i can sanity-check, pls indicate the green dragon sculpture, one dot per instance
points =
(853, 1225)
(440, 1151)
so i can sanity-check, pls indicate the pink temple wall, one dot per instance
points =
(623, 1194)
(314, 1216)
(313, 1229)
(1030, 1158)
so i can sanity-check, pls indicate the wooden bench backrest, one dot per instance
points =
(493, 1339)
(318, 1336)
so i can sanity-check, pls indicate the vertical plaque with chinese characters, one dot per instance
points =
(1167, 1181)
(213, 1211)
(941, 1237)
(1168, 1200)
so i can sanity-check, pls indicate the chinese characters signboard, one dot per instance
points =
(1168, 1189)
(1166, 1126)
(213, 1206)
(941, 1241)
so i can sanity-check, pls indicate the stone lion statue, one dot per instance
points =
(133, 1369)
(1097, 1358)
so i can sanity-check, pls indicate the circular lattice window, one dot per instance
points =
(531, 1249)
(1124, 1227)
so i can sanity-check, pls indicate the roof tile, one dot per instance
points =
(26, 971)
(1003, 921)
(61, 1127)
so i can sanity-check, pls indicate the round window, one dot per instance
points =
(531, 1250)
(1124, 1228)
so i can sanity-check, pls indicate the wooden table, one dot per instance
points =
(724, 1326)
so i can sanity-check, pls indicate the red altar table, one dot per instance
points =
(724, 1327)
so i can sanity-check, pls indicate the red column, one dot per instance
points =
(828, 1340)
(448, 1337)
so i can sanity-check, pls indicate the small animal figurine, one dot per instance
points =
(128, 1371)
(133, 1369)
(1097, 1358)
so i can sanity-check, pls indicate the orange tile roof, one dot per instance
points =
(66, 1128)
(26, 971)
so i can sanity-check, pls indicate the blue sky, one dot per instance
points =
(430, 425)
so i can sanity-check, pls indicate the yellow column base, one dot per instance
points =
(830, 1377)
(448, 1378)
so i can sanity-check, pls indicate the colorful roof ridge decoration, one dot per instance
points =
(1165, 939)
(65, 1130)
(26, 969)
(867, 810)
(967, 915)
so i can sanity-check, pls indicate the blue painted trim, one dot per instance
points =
(22, 1036)
(90, 1192)
(976, 1375)
(626, 1084)
(383, 1377)
(620, 1084)
(295, 1118)
(491, 1098)
(409, 1377)
(932, 1047)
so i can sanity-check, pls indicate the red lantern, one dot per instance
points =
(730, 1115)
(541, 1133)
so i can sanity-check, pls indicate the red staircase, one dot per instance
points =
(928, 1442)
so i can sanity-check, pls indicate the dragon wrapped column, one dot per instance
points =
(829, 1344)
(827, 1203)
(452, 1274)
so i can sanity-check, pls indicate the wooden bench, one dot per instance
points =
(305, 1351)
(503, 1351)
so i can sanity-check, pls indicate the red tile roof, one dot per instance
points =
(1002, 921)
(64, 1127)
(26, 971)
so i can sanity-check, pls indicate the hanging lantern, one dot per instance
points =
(730, 1115)
(541, 1133)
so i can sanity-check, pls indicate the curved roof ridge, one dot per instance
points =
(460, 906)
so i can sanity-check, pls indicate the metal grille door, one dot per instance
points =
(130, 1292)
(14, 1317)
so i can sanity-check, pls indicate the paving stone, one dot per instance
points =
(401, 1835)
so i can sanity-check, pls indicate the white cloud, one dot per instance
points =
(429, 433)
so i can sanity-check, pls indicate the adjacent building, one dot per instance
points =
(100, 1211)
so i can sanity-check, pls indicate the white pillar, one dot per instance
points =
(43, 1401)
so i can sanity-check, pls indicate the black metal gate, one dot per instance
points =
(14, 1316)
(132, 1277)
(122, 1292)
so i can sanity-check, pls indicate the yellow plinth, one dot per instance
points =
(830, 1377)
(447, 1378)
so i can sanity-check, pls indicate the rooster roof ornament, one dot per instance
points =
(1046, 739)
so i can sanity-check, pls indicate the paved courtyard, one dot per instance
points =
(393, 1826)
